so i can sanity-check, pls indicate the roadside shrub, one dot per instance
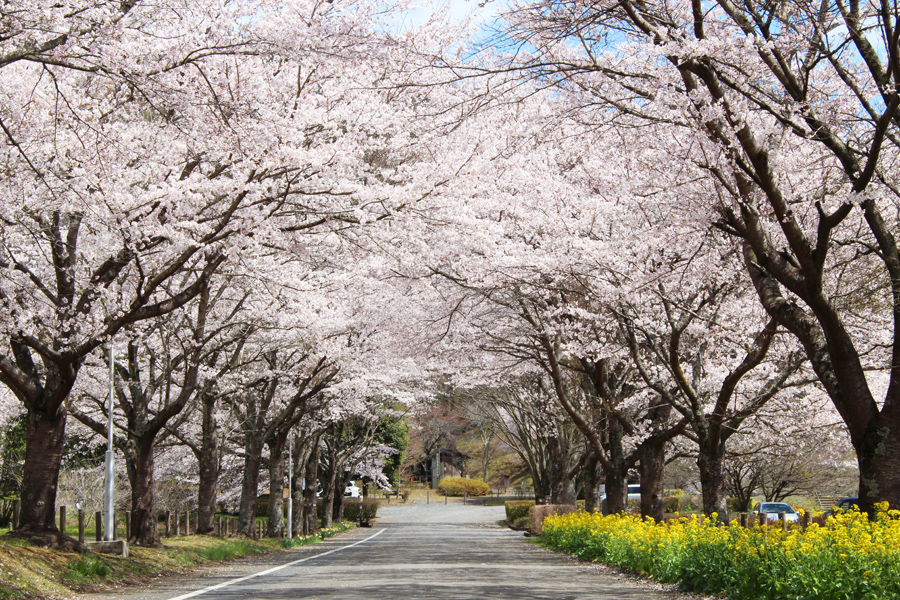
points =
(516, 509)
(672, 504)
(360, 512)
(521, 522)
(459, 486)
(850, 556)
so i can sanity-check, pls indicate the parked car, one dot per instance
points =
(634, 491)
(773, 509)
(849, 503)
(352, 491)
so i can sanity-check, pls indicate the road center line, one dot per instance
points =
(273, 569)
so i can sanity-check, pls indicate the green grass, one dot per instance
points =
(230, 550)
(86, 570)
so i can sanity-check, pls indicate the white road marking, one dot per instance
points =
(273, 569)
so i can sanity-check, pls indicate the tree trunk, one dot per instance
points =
(45, 439)
(300, 458)
(617, 473)
(592, 484)
(878, 456)
(711, 462)
(143, 505)
(276, 490)
(249, 492)
(311, 524)
(652, 457)
(338, 510)
(328, 498)
(562, 487)
(208, 463)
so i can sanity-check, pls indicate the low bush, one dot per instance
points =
(516, 509)
(521, 522)
(672, 504)
(460, 486)
(849, 556)
(360, 512)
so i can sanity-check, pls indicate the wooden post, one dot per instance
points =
(465, 496)
(804, 520)
(783, 518)
(744, 520)
(427, 496)
(115, 521)
(80, 525)
(98, 519)
(168, 523)
(17, 508)
(187, 522)
(62, 520)
(177, 523)
(127, 524)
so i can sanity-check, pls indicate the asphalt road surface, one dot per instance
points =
(418, 551)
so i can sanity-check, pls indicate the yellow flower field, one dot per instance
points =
(849, 558)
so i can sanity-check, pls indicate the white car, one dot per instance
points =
(634, 491)
(352, 491)
(773, 509)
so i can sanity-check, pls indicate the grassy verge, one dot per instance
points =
(41, 574)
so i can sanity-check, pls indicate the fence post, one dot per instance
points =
(17, 507)
(744, 520)
(62, 520)
(187, 522)
(804, 520)
(783, 518)
(427, 496)
(168, 523)
(465, 497)
(115, 522)
(177, 523)
(80, 525)
(127, 524)
(98, 528)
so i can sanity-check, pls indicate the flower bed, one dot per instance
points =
(849, 557)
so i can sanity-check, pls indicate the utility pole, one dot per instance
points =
(110, 480)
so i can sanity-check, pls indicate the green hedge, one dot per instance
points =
(516, 509)
(364, 511)
(459, 486)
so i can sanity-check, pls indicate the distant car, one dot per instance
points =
(352, 491)
(634, 491)
(844, 504)
(772, 509)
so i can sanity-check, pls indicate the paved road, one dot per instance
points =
(432, 552)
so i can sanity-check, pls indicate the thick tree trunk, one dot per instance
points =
(208, 463)
(249, 491)
(311, 524)
(562, 487)
(591, 476)
(338, 509)
(878, 456)
(276, 491)
(711, 462)
(652, 457)
(143, 505)
(328, 498)
(45, 439)
(617, 473)
(300, 459)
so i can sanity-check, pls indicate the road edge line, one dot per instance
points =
(273, 569)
